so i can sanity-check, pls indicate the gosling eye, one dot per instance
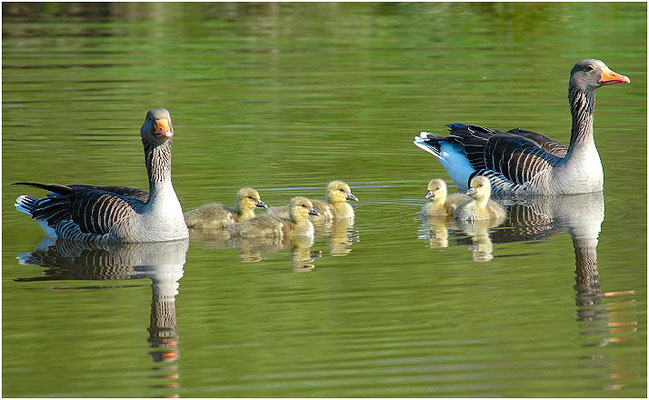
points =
(480, 185)
(342, 190)
(304, 205)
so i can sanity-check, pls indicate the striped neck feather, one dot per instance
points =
(157, 157)
(582, 107)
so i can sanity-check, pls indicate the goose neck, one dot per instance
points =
(582, 107)
(157, 157)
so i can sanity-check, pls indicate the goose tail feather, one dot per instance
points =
(430, 143)
(52, 187)
(26, 204)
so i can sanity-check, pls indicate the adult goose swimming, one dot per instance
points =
(116, 213)
(524, 163)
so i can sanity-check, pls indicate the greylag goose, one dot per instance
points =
(441, 204)
(479, 207)
(520, 162)
(297, 224)
(115, 213)
(336, 206)
(217, 216)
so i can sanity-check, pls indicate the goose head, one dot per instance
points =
(157, 126)
(339, 192)
(479, 189)
(248, 199)
(590, 74)
(300, 208)
(436, 191)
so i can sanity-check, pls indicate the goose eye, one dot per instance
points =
(590, 68)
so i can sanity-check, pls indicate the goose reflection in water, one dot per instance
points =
(607, 321)
(161, 262)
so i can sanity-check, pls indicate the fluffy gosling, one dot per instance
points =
(338, 192)
(479, 207)
(267, 225)
(336, 206)
(217, 216)
(441, 204)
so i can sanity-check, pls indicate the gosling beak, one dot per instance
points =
(471, 191)
(260, 203)
(162, 128)
(430, 194)
(610, 78)
(313, 211)
(351, 197)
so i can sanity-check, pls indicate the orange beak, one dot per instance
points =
(610, 78)
(162, 128)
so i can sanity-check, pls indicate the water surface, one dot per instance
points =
(286, 97)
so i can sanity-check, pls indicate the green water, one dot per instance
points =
(286, 97)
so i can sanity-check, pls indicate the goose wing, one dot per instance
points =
(89, 210)
(512, 157)
(138, 194)
(546, 143)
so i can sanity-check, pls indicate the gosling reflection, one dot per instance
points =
(211, 238)
(161, 262)
(475, 234)
(341, 235)
(478, 231)
(254, 250)
(436, 230)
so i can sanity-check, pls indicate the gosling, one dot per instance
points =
(479, 207)
(267, 225)
(441, 204)
(336, 206)
(217, 216)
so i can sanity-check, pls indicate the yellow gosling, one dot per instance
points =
(267, 225)
(336, 206)
(218, 216)
(479, 207)
(440, 204)
(338, 192)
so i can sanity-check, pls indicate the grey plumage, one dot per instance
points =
(115, 213)
(521, 162)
